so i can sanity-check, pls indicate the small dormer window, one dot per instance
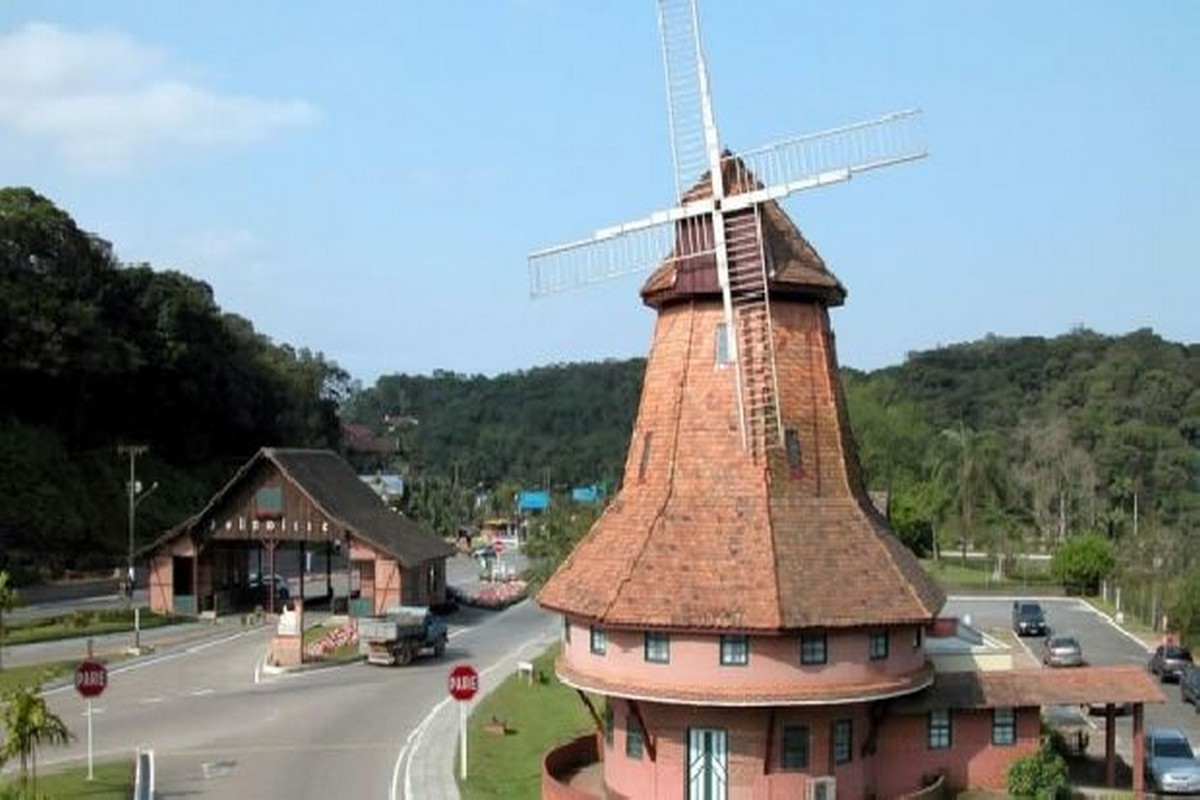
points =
(647, 440)
(724, 350)
(268, 503)
(791, 444)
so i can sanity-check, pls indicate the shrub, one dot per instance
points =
(1041, 775)
(1082, 562)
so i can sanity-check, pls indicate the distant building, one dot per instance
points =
(389, 486)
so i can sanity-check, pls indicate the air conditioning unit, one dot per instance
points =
(822, 789)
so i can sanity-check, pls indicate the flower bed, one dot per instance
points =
(494, 596)
(333, 640)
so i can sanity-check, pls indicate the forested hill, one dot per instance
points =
(95, 354)
(1002, 442)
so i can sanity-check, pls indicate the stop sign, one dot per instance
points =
(464, 682)
(90, 678)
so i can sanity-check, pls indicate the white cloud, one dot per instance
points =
(103, 100)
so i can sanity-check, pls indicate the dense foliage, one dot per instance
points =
(95, 353)
(553, 426)
(999, 446)
(1038, 776)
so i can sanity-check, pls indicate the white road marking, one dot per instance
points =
(201, 692)
(151, 700)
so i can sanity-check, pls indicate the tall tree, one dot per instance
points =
(8, 601)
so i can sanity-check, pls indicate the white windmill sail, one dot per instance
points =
(727, 224)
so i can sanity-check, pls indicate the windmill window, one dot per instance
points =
(843, 741)
(918, 637)
(566, 630)
(633, 739)
(647, 440)
(812, 648)
(599, 642)
(940, 734)
(735, 650)
(608, 724)
(877, 645)
(794, 754)
(791, 443)
(1004, 726)
(658, 647)
(724, 351)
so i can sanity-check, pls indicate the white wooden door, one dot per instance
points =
(708, 754)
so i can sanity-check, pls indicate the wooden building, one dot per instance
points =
(298, 503)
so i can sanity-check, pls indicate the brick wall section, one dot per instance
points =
(559, 763)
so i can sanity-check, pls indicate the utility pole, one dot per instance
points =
(133, 451)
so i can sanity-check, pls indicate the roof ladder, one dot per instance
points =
(752, 315)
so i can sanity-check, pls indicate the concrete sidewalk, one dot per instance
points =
(433, 763)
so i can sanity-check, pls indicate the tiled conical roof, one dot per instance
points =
(703, 536)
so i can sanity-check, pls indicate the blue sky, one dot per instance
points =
(366, 179)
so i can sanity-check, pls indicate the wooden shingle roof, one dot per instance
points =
(705, 535)
(333, 486)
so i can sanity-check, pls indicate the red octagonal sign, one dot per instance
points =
(464, 682)
(90, 678)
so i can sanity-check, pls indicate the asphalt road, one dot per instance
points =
(222, 727)
(1102, 643)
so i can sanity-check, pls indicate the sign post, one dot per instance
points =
(464, 683)
(91, 678)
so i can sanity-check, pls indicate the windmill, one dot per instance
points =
(719, 213)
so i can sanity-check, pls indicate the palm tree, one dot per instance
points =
(8, 601)
(29, 724)
(970, 469)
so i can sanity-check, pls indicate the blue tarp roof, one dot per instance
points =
(533, 501)
(587, 494)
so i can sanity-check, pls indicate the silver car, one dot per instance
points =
(1062, 650)
(1170, 764)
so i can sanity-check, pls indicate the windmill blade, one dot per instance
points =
(818, 159)
(681, 232)
(683, 63)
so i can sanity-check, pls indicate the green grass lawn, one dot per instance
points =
(952, 574)
(538, 718)
(34, 674)
(112, 780)
(80, 624)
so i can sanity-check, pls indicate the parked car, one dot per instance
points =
(1168, 661)
(276, 583)
(1028, 619)
(1062, 650)
(1189, 686)
(1171, 766)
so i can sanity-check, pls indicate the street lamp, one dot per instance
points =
(136, 496)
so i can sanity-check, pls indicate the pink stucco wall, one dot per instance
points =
(746, 730)
(972, 760)
(774, 660)
(899, 764)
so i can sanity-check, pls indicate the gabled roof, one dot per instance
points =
(337, 491)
